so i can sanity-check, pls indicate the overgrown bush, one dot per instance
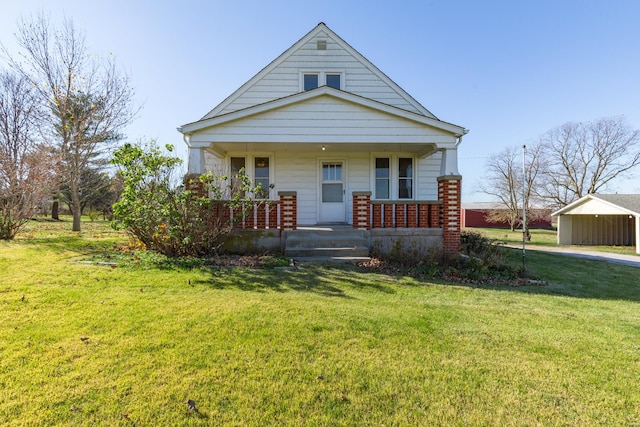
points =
(481, 261)
(168, 217)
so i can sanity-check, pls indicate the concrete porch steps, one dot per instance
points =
(327, 243)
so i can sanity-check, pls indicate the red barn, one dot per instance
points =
(476, 215)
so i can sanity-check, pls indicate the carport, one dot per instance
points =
(601, 220)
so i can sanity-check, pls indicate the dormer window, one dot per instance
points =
(310, 81)
(313, 79)
(333, 80)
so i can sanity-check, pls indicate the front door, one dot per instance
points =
(332, 209)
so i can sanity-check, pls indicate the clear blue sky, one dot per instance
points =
(506, 70)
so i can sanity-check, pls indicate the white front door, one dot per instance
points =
(332, 209)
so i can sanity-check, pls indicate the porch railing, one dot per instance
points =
(368, 214)
(406, 214)
(267, 214)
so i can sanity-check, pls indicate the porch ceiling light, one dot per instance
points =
(324, 148)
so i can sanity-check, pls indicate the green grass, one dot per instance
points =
(313, 346)
(538, 236)
(543, 237)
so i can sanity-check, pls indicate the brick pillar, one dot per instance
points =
(449, 187)
(377, 215)
(362, 210)
(192, 183)
(288, 210)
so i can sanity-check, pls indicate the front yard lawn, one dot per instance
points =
(128, 342)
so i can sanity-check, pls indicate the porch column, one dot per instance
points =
(449, 187)
(288, 210)
(449, 162)
(196, 161)
(362, 210)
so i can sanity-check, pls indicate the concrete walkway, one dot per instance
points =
(632, 260)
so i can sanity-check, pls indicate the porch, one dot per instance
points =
(379, 226)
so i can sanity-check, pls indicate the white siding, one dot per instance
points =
(595, 207)
(323, 119)
(214, 164)
(428, 172)
(284, 79)
(299, 173)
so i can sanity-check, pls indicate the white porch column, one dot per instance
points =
(449, 162)
(196, 160)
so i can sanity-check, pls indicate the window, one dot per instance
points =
(310, 81)
(333, 80)
(332, 191)
(261, 177)
(237, 168)
(405, 178)
(382, 178)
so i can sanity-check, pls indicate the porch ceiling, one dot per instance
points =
(221, 149)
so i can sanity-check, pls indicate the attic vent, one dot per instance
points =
(322, 45)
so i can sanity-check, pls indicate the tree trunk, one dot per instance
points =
(75, 206)
(55, 207)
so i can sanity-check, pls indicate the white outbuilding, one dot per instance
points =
(601, 219)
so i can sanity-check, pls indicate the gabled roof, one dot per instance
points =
(321, 28)
(316, 93)
(627, 204)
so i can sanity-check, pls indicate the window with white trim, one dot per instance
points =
(314, 79)
(383, 178)
(333, 80)
(261, 177)
(405, 178)
(237, 169)
(310, 81)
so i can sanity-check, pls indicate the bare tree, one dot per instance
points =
(504, 182)
(25, 166)
(584, 158)
(89, 101)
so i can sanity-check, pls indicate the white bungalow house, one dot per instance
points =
(341, 143)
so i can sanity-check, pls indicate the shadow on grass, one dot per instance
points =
(570, 276)
(328, 281)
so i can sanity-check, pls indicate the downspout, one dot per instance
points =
(459, 137)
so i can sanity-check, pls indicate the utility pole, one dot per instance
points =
(524, 205)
